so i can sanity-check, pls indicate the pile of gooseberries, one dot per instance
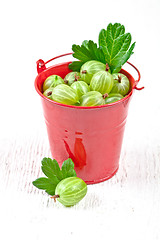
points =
(94, 85)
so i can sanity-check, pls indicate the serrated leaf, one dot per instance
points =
(86, 52)
(117, 30)
(53, 178)
(96, 53)
(85, 43)
(81, 53)
(45, 184)
(76, 66)
(68, 168)
(124, 59)
(51, 168)
(115, 44)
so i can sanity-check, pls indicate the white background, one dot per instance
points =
(127, 206)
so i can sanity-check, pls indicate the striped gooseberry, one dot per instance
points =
(81, 87)
(89, 68)
(121, 84)
(52, 81)
(48, 93)
(65, 94)
(92, 98)
(113, 97)
(70, 191)
(71, 77)
(102, 82)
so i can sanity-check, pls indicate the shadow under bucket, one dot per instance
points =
(90, 136)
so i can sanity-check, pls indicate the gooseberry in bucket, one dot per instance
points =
(72, 77)
(89, 68)
(113, 97)
(48, 93)
(52, 81)
(102, 82)
(121, 84)
(65, 94)
(81, 87)
(92, 98)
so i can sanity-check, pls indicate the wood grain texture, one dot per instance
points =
(125, 206)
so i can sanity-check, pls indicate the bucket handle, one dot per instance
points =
(41, 66)
(139, 76)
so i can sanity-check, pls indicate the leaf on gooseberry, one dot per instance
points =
(54, 174)
(114, 48)
(86, 52)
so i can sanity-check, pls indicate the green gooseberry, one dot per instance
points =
(70, 191)
(102, 82)
(81, 87)
(89, 68)
(121, 84)
(92, 98)
(63, 93)
(113, 97)
(52, 81)
(71, 77)
(48, 93)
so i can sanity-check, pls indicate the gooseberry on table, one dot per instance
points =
(70, 191)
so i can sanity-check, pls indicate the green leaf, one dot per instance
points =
(45, 184)
(68, 168)
(85, 43)
(51, 169)
(115, 44)
(114, 49)
(76, 66)
(54, 174)
(86, 52)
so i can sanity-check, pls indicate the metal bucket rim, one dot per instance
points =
(84, 107)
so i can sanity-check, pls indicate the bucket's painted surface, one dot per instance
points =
(90, 136)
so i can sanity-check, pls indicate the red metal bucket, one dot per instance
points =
(91, 136)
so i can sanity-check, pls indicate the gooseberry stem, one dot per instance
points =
(119, 78)
(55, 197)
(49, 93)
(105, 95)
(107, 67)
(66, 81)
(76, 78)
(84, 71)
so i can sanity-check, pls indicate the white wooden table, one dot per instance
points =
(125, 207)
